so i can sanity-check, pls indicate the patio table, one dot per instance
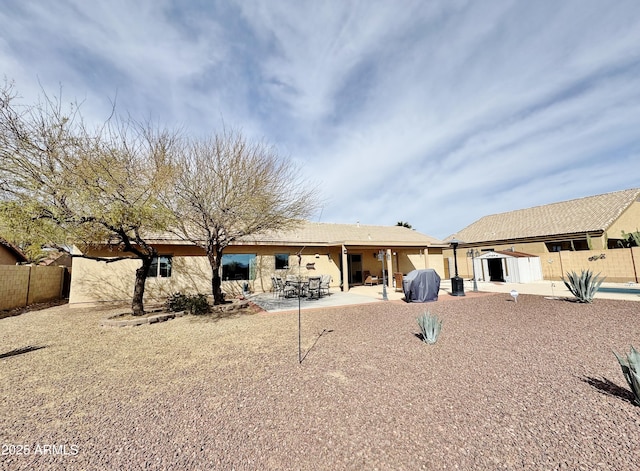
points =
(299, 286)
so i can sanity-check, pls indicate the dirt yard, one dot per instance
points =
(532, 385)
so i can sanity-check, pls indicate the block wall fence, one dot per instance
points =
(617, 265)
(22, 285)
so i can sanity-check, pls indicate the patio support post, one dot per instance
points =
(345, 269)
(382, 255)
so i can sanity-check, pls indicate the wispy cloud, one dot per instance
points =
(436, 113)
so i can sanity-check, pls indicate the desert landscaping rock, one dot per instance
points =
(532, 385)
(118, 321)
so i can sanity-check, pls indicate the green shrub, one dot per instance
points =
(583, 286)
(430, 327)
(195, 304)
(631, 371)
(177, 302)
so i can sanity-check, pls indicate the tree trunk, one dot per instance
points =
(137, 305)
(215, 259)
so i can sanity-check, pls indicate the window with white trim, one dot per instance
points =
(161, 266)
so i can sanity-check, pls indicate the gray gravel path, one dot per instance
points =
(532, 385)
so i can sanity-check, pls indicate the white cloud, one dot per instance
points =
(433, 112)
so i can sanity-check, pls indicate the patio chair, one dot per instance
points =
(278, 286)
(398, 277)
(370, 280)
(290, 288)
(325, 282)
(313, 287)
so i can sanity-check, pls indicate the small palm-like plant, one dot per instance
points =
(631, 371)
(583, 286)
(430, 327)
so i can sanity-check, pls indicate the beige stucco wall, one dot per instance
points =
(6, 257)
(629, 221)
(25, 284)
(96, 281)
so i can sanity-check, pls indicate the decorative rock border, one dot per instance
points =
(234, 305)
(117, 321)
(114, 321)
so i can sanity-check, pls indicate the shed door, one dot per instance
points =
(495, 269)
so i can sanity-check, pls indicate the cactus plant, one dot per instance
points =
(583, 286)
(631, 370)
(430, 327)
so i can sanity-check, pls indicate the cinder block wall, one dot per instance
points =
(617, 265)
(14, 280)
(23, 285)
(45, 284)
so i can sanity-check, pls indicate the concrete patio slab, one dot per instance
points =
(373, 294)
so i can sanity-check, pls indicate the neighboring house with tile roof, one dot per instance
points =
(593, 223)
(10, 254)
(344, 251)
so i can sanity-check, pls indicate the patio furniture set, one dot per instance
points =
(370, 280)
(309, 287)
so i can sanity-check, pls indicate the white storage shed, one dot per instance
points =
(508, 266)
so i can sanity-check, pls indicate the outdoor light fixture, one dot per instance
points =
(473, 253)
(457, 283)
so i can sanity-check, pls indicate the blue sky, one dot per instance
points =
(431, 112)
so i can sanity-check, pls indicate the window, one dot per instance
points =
(239, 266)
(161, 266)
(282, 261)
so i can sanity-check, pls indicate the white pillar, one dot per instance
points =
(345, 269)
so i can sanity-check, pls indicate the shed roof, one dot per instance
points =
(582, 215)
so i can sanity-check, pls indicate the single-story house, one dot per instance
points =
(10, 254)
(570, 235)
(346, 252)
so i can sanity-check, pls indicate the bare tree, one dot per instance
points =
(91, 189)
(228, 188)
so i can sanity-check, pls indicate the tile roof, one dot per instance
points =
(349, 234)
(582, 215)
(319, 233)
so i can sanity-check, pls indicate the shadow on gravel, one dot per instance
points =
(610, 388)
(32, 307)
(20, 351)
(324, 331)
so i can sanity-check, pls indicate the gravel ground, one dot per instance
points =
(532, 385)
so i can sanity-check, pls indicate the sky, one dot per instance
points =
(431, 112)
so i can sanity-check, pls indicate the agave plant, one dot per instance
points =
(430, 327)
(631, 371)
(583, 286)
